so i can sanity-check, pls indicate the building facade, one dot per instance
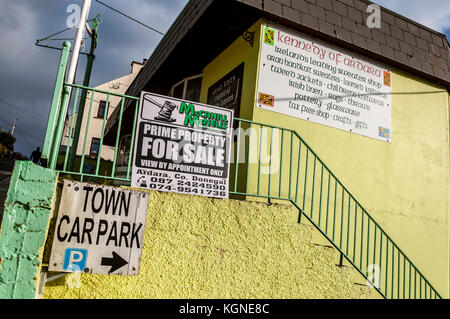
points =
(339, 180)
(400, 171)
(94, 115)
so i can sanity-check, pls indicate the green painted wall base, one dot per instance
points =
(24, 228)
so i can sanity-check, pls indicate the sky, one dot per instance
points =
(27, 72)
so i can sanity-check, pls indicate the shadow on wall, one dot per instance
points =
(197, 247)
(6, 167)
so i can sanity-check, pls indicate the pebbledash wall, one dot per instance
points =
(403, 184)
(197, 247)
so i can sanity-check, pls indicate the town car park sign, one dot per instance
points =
(99, 229)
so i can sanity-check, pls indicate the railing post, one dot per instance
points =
(56, 103)
(87, 77)
(59, 127)
(299, 220)
(341, 260)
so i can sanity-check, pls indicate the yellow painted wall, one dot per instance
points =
(197, 247)
(404, 185)
(240, 51)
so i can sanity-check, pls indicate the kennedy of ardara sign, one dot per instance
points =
(315, 81)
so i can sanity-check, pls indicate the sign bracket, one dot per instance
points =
(57, 276)
(44, 280)
(249, 37)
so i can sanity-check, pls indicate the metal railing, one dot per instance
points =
(287, 168)
(99, 159)
(268, 162)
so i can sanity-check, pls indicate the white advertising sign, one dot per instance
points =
(312, 80)
(99, 230)
(182, 147)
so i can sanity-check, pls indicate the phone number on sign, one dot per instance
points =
(186, 187)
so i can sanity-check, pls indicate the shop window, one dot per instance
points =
(193, 88)
(188, 88)
(178, 91)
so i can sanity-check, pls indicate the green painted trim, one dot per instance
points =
(55, 106)
(59, 128)
(101, 91)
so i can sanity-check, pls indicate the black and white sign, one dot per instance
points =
(182, 147)
(228, 90)
(99, 230)
(313, 80)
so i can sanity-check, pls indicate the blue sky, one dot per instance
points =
(434, 14)
(27, 72)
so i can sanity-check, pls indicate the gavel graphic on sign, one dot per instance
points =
(166, 109)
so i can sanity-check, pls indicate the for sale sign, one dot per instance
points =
(182, 147)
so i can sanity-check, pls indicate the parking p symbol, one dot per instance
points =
(75, 259)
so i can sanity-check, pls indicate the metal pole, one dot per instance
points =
(66, 91)
(13, 128)
(87, 77)
(53, 160)
(77, 44)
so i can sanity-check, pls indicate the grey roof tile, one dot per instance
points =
(273, 7)
(291, 14)
(326, 4)
(400, 41)
(339, 8)
(316, 11)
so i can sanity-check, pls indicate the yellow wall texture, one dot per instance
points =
(197, 247)
(404, 184)
(240, 51)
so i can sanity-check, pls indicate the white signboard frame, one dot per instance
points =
(309, 79)
(99, 229)
(182, 147)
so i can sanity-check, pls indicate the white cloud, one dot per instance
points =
(434, 14)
